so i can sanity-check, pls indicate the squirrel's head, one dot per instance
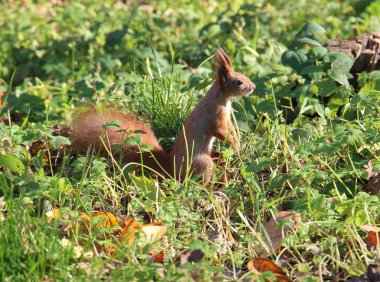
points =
(232, 83)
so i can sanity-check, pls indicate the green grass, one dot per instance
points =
(307, 136)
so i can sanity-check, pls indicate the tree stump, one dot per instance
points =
(364, 48)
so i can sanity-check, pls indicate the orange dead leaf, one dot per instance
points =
(260, 265)
(151, 231)
(109, 219)
(372, 239)
(39, 146)
(1, 98)
(158, 258)
(373, 234)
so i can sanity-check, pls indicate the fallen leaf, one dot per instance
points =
(102, 219)
(151, 232)
(158, 258)
(40, 146)
(273, 233)
(372, 239)
(109, 219)
(52, 214)
(260, 265)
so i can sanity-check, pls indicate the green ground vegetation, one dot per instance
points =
(310, 140)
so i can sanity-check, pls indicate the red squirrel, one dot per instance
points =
(192, 147)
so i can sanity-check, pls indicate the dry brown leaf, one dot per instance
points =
(273, 234)
(151, 232)
(157, 258)
(154, 231)
(372, 239)
(2, 94)
(109, 220)
(260, 265)
(40, 146)
(84, 216)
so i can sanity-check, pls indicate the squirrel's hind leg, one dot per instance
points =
(202, 165)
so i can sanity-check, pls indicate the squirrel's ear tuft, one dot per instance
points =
(222, 62)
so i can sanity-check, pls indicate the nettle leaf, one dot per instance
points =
(340, 76)
(133, 140)
(340, 98)
(313, 72)
(112, 124)
(139, 131)
(320, 110)
(360, 217)
(343, 62)
(145, 186)
(318, 52)
(295, 59)
(310, 30)
(374, 75)
(326, 87)
(146, 148)
(354, 136)
(58, 141)
(305, 40)
(12, 163)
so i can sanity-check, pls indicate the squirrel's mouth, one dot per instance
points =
(248, 92)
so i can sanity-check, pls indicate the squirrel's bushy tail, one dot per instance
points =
(89, 131)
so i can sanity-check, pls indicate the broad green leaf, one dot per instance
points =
(339, 76)
(343, 63)
(295, 59)
(13, 163)
(318, 52)
(340, 98)
(374, 75)
(146, 148)
(138, 131)
(326, 87)
(58, 141)
(304, 40)
(112, 124)
(133, 140)
(310, 29)
(146, 186)
(360, 217)
(314, 72)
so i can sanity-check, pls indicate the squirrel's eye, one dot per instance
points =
(239, 82)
